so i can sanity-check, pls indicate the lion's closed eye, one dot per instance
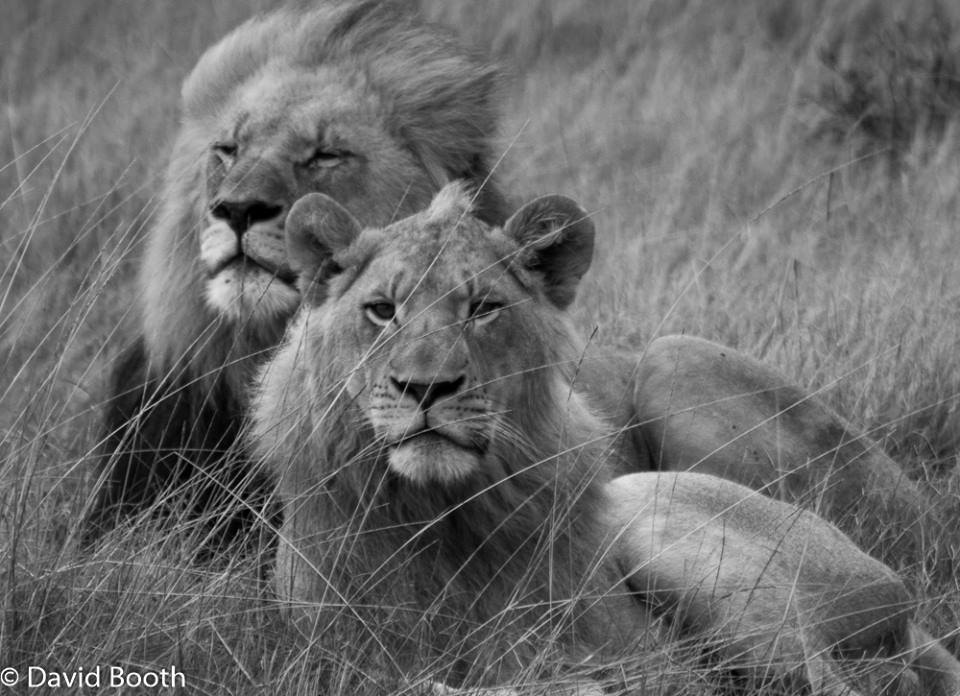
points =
(225, 150)
(325, 158)
(484, 311)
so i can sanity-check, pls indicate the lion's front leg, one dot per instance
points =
(704, 407)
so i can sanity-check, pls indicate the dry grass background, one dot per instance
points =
(778, 176)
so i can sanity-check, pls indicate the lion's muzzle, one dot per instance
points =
(427, 393)
(257, 231)
(248, 273)
(434, 429)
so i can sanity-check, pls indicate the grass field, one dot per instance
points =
(779, 178)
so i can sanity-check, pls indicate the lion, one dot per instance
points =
(364, 102)
(354, 99)
(447, 483)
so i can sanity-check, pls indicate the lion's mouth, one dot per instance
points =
(245, 262)
(258, 251)
(428, 456)
(434, 436)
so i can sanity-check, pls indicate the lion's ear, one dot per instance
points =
(556, 240)
(317, 227)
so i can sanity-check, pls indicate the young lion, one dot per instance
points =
(446, 484)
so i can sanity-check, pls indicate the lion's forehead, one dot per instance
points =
(440, 259)
(298, 105)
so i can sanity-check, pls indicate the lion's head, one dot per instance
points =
(356, 100)
(448, 334)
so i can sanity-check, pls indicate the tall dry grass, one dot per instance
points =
(781, 178)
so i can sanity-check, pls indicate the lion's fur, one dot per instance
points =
(474, 567)
(429, 114)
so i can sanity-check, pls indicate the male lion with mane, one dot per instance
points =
(354, 99)
(446, 484)
(362, 101)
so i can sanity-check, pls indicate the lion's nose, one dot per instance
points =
(426, 393)
(242, 215)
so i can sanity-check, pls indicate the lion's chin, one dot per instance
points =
(250, 293)
(430, 458)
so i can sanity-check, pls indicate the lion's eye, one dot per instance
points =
(323, 159)
(483, 311)
(380, 313)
